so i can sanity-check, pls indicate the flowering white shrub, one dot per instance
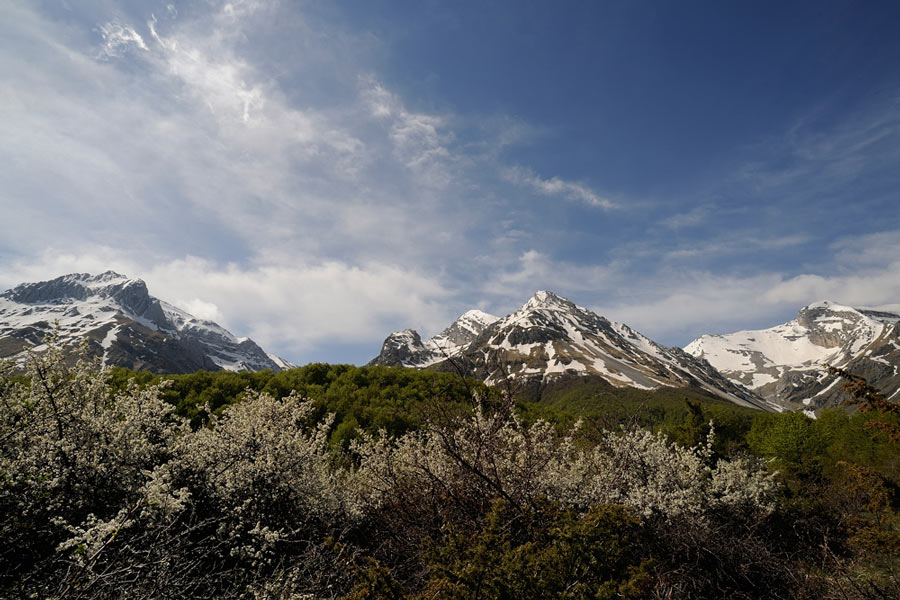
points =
(74, 460)
(259, 462)
(113, 495)
(485, 457)
(68, 447)
(656, 477)
(496, 456)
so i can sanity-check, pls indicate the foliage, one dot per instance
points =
(337, 481)
(360, 398)
(544, 551)
(683, 414)
(71, 453)
(869, 400)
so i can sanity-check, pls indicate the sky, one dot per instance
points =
(318, 174)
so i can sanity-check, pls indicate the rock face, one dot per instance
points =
(550, 338)
(124, 325)
(786, 364)
(406, 348)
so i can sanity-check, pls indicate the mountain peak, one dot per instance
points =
(74, 286)
(551, 338)
(547, 299)
(827, 305)
(124, 324)
(787, 363)
(105, 277)
(477, 315)
(407, 348)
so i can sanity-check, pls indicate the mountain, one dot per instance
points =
(124, 325)
(786, 364)
(405, 348)
(550, 338)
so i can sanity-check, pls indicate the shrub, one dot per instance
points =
(71, 453)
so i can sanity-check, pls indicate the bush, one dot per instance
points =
(544, 551)
(107, 492)
(71, 453)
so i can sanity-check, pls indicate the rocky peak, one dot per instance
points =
(124, 324)
(464, 329)
(407, 336)
(544, 299)
(74, 286)
(786, 364)
(811, 315)
(551, 338)
(403, 348)
(832, 325)
(131, 295)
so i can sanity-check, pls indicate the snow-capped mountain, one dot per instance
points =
(787, 363)
(406, 348)
(124, 325)
(550, 337)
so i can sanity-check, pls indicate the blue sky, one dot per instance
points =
(318, 174)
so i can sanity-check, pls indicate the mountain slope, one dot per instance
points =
(124, 325)
(406, 348)
(550, 337)
(787, 363)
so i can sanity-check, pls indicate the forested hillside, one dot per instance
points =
(375, 482)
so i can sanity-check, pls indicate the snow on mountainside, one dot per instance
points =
(124, 325)
(550, 337)
(406, 348)
(786, 363)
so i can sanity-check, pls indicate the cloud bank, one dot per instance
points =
(249, 162)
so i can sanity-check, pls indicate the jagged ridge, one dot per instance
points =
(786, 364)
(406, 348)
(551, 337)
(124, 325)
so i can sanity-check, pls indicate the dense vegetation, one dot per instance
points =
(362, 399)
(345, 482)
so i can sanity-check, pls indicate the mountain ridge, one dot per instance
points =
(405, 348)
(551, 337)
(787, 363)
(124, 326)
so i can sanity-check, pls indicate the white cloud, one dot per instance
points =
(682, 305)
(288, 308)
(557, 187)
(535, 270)
(200, 309)
(692, 218)
(420, 141)
(118, 38)
(300, 305)
(868, 250)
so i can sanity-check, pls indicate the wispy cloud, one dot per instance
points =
(291, 218)
(823, 153)
(118, 38)
(420, 140)
(556, 187)
(692, 218)
(284, 186)
(735, 243)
